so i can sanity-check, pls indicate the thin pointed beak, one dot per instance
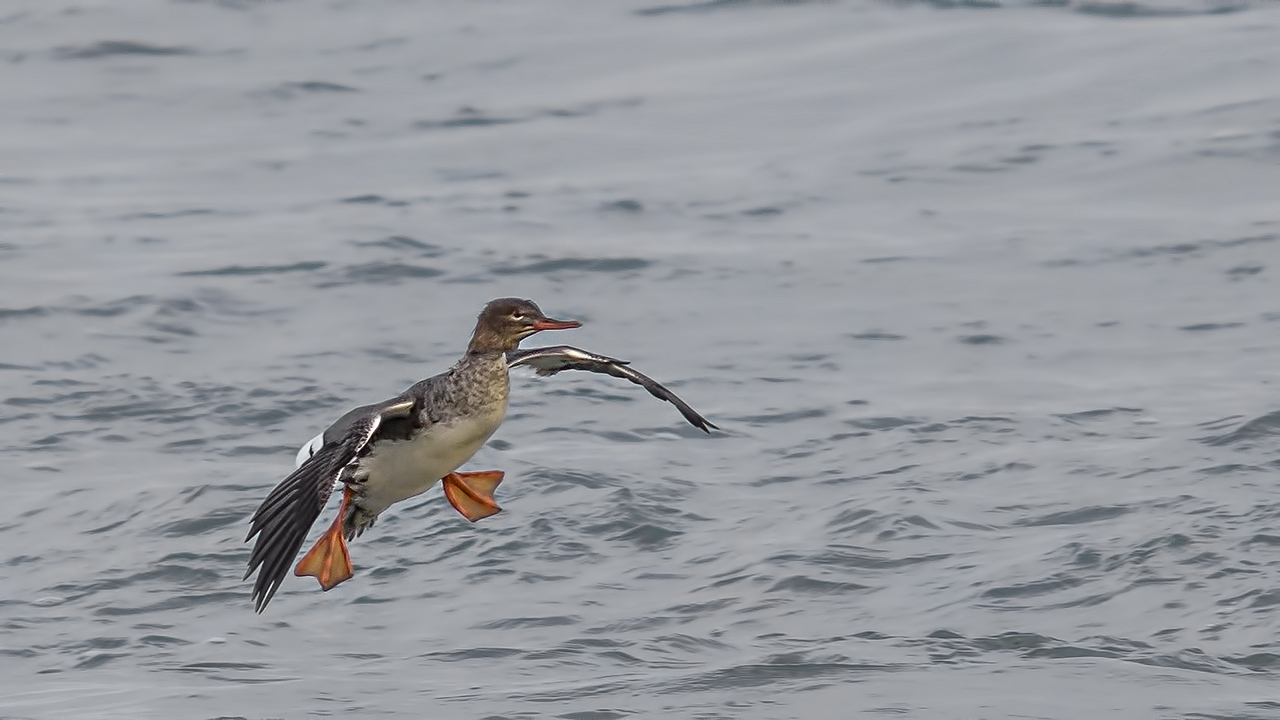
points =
(549, 324)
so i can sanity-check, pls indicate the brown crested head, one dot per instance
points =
(506, 321)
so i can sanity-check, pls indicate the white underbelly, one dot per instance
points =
(401, 469)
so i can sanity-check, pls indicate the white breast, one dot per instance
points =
(401, 469)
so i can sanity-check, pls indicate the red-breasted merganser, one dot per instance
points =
(394, 450)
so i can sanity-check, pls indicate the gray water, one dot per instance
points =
(983, 299)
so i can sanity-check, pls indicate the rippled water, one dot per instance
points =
(982, 297)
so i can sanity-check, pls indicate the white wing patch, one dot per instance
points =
(313, 445)
(549, 361)
(311, 448)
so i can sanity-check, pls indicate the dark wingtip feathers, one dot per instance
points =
(282, 521)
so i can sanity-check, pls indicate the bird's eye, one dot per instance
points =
(518, 315)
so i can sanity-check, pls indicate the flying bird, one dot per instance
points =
(396, 449)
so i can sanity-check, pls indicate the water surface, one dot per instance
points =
(982, 298)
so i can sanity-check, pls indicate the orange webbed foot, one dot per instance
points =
(328, 560)
(471, 493)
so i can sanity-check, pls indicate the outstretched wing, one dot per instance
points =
(282, 521)
(306, 451)
(551, 360)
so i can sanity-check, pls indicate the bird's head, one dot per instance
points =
(506, 321)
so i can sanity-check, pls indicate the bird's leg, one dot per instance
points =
(328, 561)
(471, 493)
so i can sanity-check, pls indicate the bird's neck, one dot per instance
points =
(481, 378)
(485, 341)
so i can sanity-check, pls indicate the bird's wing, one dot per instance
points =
(282, 521)
(338, 430)
(551, 360)
(306, 451)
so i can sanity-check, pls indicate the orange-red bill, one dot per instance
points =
(549, 324)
